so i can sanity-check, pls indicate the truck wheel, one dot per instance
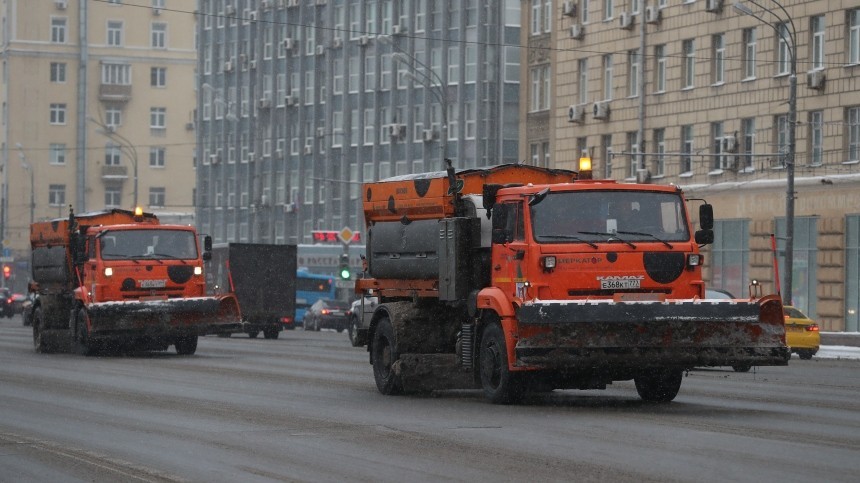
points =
(355, 339)
(742, 367)
(253, 334)
(186, 346)
(40, 342)
(659, 385)
(499, 384)
(82, 343)
(805, 354)
(384, 354)
(270, 333)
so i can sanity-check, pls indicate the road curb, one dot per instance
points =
(841, 338)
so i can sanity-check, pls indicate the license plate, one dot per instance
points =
(153, 283)
(620, 284)
(794, 328)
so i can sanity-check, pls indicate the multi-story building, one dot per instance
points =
(302, 101)
(696, 93)
(98, 109)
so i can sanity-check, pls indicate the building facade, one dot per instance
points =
(696, 93)
(98, 109)
(302, 101)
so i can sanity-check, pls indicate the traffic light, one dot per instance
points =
(344, 271)
(7, 271)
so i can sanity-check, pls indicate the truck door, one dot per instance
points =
(510, 250)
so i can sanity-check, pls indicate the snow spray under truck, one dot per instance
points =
(515, 278)
(117, 279)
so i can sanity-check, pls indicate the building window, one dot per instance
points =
(659, 152)
(749, 53)
(57, 194)
(748, 142)
(608, 9)
(816, 26)
(369, 127)
(58, 113)
(537, 16)
(113, 154)
(660, 68)
(116, 74)
(853, 134)
(58, 153)
(730, 256)
(535, 154)
(471, 67)
(156, 197)
(113, 117)
(633, 150)
(352, 85)
(113, 197)
(781, 136)
(370, 74)
(547, 154)
(805, 273)
(783, 56)
(718, 75)
(853, 37)
(720, 160)
(633, 68)
(607, 77)
(158, 35)
(606, 154)
(158, 118)
(58, 30)
(114, 33)
(453, 65)
(540, 88)
(156, 157)
(58, 72)
(816, 138)
(583, 80)
(686, 149)
(688, 68)
(470, 116)
(852, 272)
(158, 76)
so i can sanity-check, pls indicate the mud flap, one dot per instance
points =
(186, 316)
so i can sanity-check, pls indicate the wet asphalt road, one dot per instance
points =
(305, 408)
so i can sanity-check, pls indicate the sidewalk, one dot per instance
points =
(841, 338)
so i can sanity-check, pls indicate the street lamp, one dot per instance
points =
(790, 39)
(124, 144)
(28, 167)
(431, 82)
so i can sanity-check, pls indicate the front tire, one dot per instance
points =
(659, 385)
(270, 333)
(355, 339)
(186, 346)
(742, 367)
(500, 385)
(384, 354)
(805, 354)
(40, 342)
(82, 341)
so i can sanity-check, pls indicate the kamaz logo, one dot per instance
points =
(622, 277)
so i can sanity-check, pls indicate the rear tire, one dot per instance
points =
(270, 333)
(253, 334)
(383, 355)
(742, 368)
(355, 339)
(500, 385)
(805, 354)
(82, 343)
(186, 346)
(659, 385)
(40, 342)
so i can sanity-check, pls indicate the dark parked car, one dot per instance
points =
(6, 303)
(327, 314)
(26, 308)
(18, 302)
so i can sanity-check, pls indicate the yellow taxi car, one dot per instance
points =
(801, 333)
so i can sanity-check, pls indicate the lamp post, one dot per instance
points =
(789, 36)
(431, 82)
(125, 146)
(27, 167)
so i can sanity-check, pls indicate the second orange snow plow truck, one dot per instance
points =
(117, 279)
(516, 278)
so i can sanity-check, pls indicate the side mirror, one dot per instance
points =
(706, 217)
(705, 237)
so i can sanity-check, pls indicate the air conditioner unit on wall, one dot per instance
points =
(61, 4)
(398, 29)
(320, 49)
(228, 66)
(714, 6)
(265, 103)
(292, 3)
(653, 14)
(292, 100)
(363, 40)
(396, 130)
(575, 113)
(730, 144)
(229, 10)
(815, 79)
(568, 8)
(337, 43)
(577, 31)
(320, 132)
(601, 110)
(428, 135)
(309, 149)
(625, 20)
(156, 11)
(289, 43)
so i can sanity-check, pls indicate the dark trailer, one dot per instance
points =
(263, 278)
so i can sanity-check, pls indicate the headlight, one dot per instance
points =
(108, 271)
(198, 270)
(549, 262)
(694, 260)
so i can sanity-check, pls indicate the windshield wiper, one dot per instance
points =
(610, 235)
(639, 233)
(570, 237)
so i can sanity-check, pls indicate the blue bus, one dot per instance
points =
(311, 287)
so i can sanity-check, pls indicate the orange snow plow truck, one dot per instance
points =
(515, 278)
(118, 279)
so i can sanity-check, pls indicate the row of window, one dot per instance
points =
(114, 74)
(113, 196)
(115, 33)
(157, 116)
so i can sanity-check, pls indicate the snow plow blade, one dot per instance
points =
(166, 317)
(678, 333)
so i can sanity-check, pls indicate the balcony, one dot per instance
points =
(114, 173)
(114, 93)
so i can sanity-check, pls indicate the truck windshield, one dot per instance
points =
(148, 244)
(600, 216)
